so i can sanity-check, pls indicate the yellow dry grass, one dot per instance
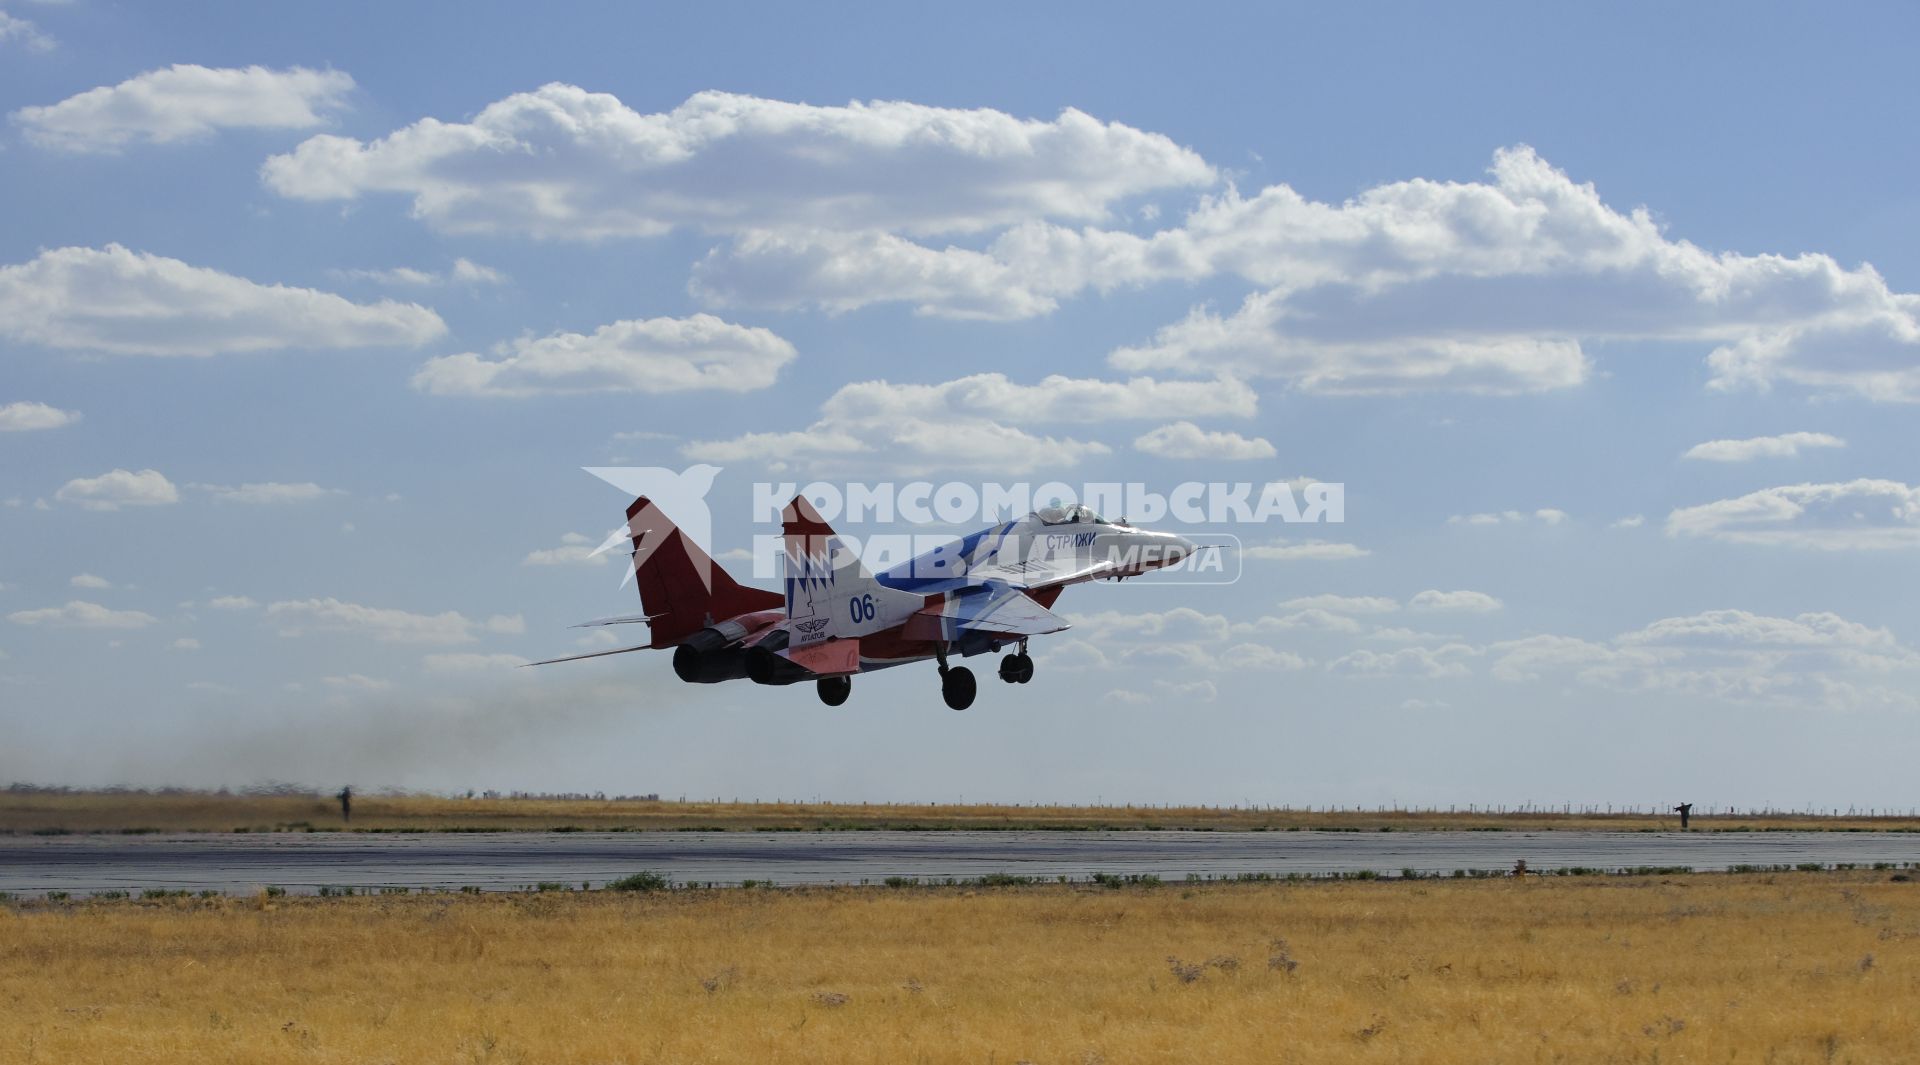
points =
(43, 811)
(1705, 968)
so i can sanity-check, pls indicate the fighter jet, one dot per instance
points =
(988, 591)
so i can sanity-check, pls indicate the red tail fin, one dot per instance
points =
(682, 589)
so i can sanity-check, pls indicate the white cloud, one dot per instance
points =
(1433, 663)
(470, 662)
(1166, 691)
(25, 32)
(1631, 521)
(78, 614)
(563, 162)
(122, 302)
(88, 580)
(1545, 516)
(463, 272)
(26, 417)
(1489, 287)
(231, 602)
(1854, 515)
(1463, 602)
(972, 422)
(1740, 627)
(1303, 551)
(1343, 604)
(186, 643)
(1814, 660)
(186, 102)
(653, 355)
(267, 492)
(119, 488)
(1314, 618)
(386, 625)
(574, 549)
(1185, 440)
(507, 624)
(1785, 445)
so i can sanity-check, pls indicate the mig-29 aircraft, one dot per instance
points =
(987, 591)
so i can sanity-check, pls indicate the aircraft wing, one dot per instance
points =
(996, 608)
(1034, 574)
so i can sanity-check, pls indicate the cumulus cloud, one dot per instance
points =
(23, 32)
(1185, 440)
(25, 417)
(1343, 604)
(1303, 551)
(119, 488)
(297, 617)
(574, 549)
(652, 355)
(1432, 663)
(463, 272)
(88, 580)
(974, 422)
(186, 102)
(563, 162)
(1856, 515)
(232, 602)
(1783, 446)
(79, 614)
(1814, 660)
(122, 302)
(1461, 602)
(1545, 516)
(1490, 287)
(267, 492)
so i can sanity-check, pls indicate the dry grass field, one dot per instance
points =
(25, 811)
(1799, 967)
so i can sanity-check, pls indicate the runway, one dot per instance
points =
(305, 862)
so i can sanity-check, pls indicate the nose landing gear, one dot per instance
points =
(834, 690)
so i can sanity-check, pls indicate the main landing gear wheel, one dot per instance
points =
(957, 687)
(834, 690)
(1016, 669)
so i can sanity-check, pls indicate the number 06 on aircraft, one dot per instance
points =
(989, 591)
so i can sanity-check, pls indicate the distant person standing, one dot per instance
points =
(346, 804)
(1685, 810)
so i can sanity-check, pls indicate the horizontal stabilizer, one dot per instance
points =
(992, 609)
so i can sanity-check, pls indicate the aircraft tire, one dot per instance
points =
(834, 690)
(1026, 669)
(958, 688)
(1010, 668)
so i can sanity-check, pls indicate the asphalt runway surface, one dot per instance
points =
(305, 862)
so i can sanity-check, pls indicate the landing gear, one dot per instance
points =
(834, 690)
(957, 685)
(1016, 668)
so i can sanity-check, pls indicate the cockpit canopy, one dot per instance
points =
(1069, 514)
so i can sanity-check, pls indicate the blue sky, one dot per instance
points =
(348, 296)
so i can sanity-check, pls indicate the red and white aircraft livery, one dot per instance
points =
(985, 591)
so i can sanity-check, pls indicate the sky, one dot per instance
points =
(1608, 322)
